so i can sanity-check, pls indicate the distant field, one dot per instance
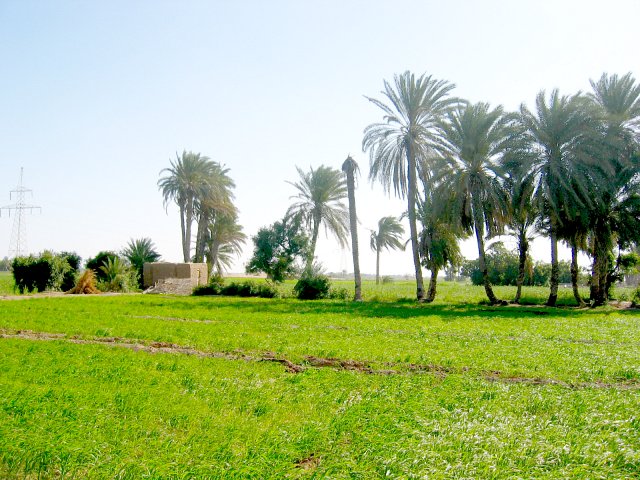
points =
(140, 386)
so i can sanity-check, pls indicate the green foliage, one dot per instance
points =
(118, 276)
(277, 248)
(5, 264)
(502, 268)
(47, 271)
(339, 293)
(312, 286)
(139, 252)
(214, 287)
(98, 261)
(635, 297)
(249, 288)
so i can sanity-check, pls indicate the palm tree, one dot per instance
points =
(186, 181)
(441, 230)
(319, 201)
(139, 252)
(351, 169)
(474, 139)
(558, 134)
(216, 199)
(388, 235)
(405, 137)
(224, 240)
(615, 211)
(522, 214)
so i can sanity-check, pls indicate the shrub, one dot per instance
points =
(214, 287)
(635, 297)
(339, 293)
(387, 279)
(312, 286)
(118, 276)
(47, 271)
(98, 261)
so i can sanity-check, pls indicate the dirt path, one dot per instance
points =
(310, 361)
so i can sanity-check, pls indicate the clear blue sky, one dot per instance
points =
(96, 97)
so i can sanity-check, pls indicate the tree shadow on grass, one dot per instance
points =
(401, 309)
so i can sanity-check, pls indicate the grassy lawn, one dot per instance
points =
(139, 386)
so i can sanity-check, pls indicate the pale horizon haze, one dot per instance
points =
(98, 97)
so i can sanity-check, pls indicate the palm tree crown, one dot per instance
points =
(319, 201)
(388, 236)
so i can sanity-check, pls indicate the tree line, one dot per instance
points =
(569, 169)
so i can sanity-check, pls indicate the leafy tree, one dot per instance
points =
(185, 182)
(559, 135)
(405, 137)
(117, 276)
(277, 248)
(475, 137)
(319, 201)
(388, 236)
(351, 169)
(139, 252)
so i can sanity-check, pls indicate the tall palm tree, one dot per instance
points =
(185, 181)
(474, 139)
(319, 201)
(615, 207)
(558, 134)
(351, 169)
(388, 236)
(139, 252)
(406, 136)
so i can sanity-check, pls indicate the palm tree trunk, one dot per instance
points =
(186, 245)
(431, 293)
(555, 271)
(203, 220)
(413, 229)
(353, 225)
(312, 250)
(478, 226)
(523, 248)
(378, 266)
(601, 266)
(183, 227)
(574, 274)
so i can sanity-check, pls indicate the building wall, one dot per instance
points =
(153, 272)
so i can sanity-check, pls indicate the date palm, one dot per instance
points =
(615, 211)
(388, 236)
(185, 182)
(319, 201)
(474, 139)
(214, 200)
(559, 135)
(139, 252)
(351, 169)
(411, 110)
(224, 240)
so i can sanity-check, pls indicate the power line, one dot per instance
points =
(18, 243)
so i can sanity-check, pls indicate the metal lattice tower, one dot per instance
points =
(18, 244)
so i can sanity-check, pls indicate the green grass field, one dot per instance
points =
(140, 386)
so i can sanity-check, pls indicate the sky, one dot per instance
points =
(96, 98)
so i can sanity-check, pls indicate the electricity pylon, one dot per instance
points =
(18, 243)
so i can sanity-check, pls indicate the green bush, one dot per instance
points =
(214, 287)
(312, 287)
(339, 293)
(98, 261)
(248, 288)
(118, 276)
(635, 297)
(47, 271)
